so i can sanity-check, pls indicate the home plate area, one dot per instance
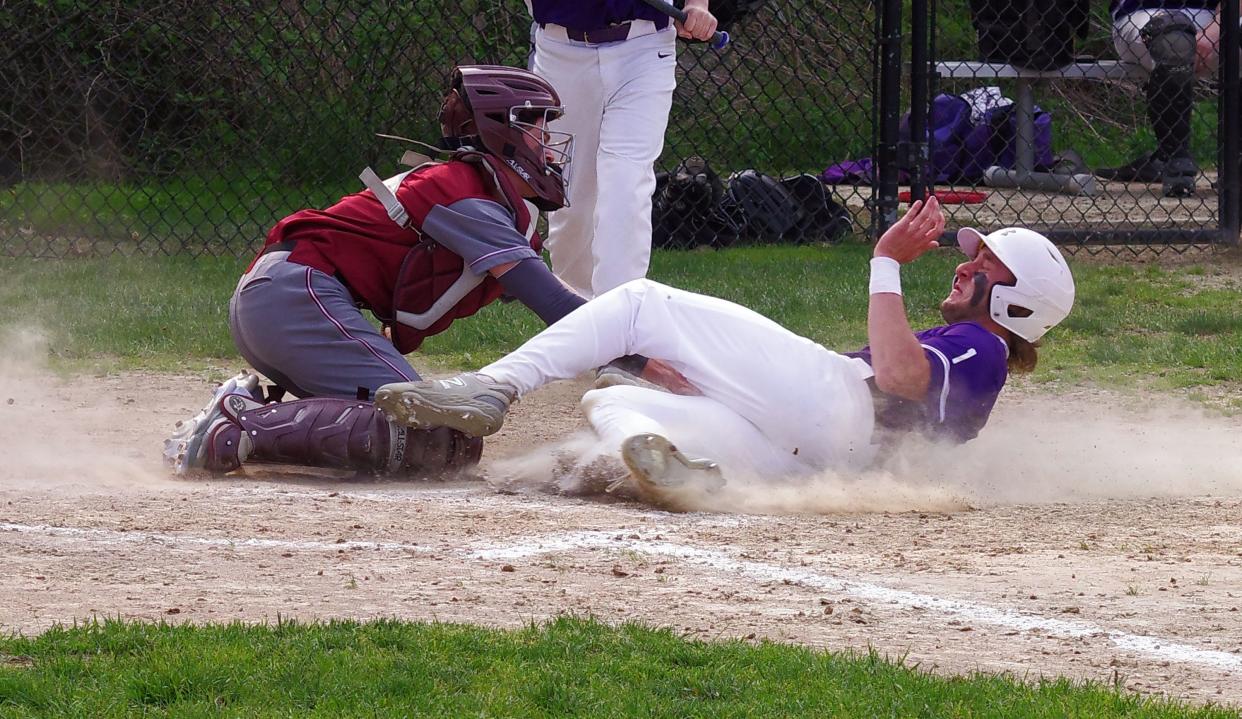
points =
(1068, 563)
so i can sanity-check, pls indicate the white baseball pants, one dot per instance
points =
(617, 97)
(774, 403)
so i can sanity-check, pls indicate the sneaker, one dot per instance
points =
(192, 446)
(664, 476)
(470, 403)
(1144, 168)
(1178, 178)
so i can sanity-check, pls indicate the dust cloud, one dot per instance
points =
(578, 465)
(1036, 450)
(66, 433)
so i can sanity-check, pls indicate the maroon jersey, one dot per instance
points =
(420, 277)
(969, 366)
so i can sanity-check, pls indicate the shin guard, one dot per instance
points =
(334, 434)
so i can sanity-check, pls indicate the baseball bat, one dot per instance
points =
(720, 38)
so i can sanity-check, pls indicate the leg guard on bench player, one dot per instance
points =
(317, 432)
(1170, 39)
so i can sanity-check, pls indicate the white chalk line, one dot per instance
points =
(617, 539)
(112, 536)
(484, 497)
(874, 593)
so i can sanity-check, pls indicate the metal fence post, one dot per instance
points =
(916, 152)
(1230, 194)
(890, 113)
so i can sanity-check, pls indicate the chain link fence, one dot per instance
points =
(1103, 125)
(192, 127)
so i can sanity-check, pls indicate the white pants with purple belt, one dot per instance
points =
(774, 403)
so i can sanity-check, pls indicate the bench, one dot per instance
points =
(1023, 175)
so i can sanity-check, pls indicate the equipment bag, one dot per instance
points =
(965, 142)
(796, 209)
(823, 220)
(686, 208)
(761, 206)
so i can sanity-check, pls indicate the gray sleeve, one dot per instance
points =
(480, 231)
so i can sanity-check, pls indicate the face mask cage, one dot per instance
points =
(557, 147)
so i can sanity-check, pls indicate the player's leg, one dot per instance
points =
(811, 402)
(302, 329)
(1165, 43)
(700, 427)
(1171, 42)
(573, 69)
(236, 427)
(639, 78)
(660, 468)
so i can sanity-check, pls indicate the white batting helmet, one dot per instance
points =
(1043, 291)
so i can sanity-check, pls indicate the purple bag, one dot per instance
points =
(948, 127)
(994, 142)
(849, 172)
(960, 149)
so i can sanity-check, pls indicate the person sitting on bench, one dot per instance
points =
(1170, 40)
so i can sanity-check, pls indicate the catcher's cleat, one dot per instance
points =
(190, 447)
(1178, 178)
(470, 403)
(664, 476)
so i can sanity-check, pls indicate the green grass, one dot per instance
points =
(186, 214)
(568, 667)
(1132, 326)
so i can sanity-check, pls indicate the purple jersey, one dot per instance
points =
(969, 365)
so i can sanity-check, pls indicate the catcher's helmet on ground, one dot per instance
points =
(498, 110)
(1043, 290)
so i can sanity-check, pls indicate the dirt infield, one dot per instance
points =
(1100, 540)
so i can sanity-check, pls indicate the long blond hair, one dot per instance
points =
(1023, 355)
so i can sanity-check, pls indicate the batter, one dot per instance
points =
(612, 63)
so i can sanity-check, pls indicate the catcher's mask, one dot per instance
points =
(1042, 293)
(505, 112)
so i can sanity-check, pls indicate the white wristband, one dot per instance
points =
(885, 275)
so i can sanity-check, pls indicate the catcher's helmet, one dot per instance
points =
(496, 109)
(1043, 290)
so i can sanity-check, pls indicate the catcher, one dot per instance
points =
(419, 250)
(772, 403)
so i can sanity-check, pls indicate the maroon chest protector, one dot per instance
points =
(434, 287)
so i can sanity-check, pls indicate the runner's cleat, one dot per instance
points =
(613, 376)
(664, 476)
(470, 403)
